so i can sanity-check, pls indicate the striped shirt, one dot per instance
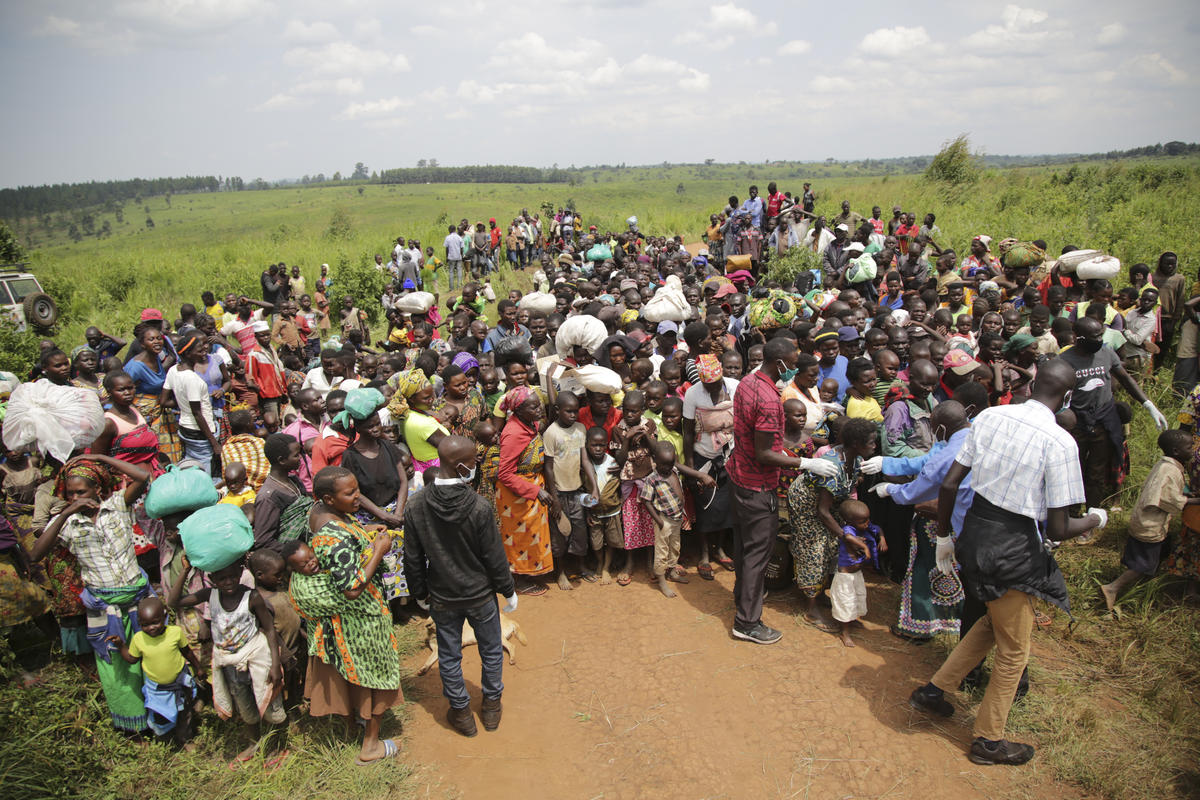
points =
(1022, 461)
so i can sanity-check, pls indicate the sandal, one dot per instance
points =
(390, 750)
(677, 575)
(819, 624)
(1042, 620)
(624, 580)
(533, 590)
(705, 571)
(727, 563)
(273, 763)
(590, 577)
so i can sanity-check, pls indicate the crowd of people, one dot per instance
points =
(646, 410)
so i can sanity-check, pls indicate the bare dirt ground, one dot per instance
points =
(623, 693)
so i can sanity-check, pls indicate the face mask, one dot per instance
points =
(1089, 345)
(1066, 403)
(786, 375)
(470, 476)
(940, 435)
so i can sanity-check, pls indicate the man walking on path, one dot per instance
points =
(1024, 468)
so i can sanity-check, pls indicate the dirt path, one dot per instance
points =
(623, 693)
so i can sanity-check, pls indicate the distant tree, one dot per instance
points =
(360, 172)
(433, 163)
(149, 224)
(337, 176)
(679, 189)
(10, 247)
(360, 190)
(120, 213)
(708, 162)
(319, 177)
(954, 164)
(168, 201)
(89, 224)
(340, 225)
(106, 229)
(422, 163)
(75, 235)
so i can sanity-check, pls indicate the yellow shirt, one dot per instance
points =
(161, 658)
(245, 497)
(867, 408)
(215, 311)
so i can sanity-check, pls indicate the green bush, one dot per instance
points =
(785, 269)
(955, 164)
(19, 350)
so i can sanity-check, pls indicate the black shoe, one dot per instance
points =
(931, 701)
(973, 680)
(490, 713)
(462, 720)
(1002, 752)
(758, 633)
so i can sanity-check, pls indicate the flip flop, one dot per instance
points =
(705, 571)
(273, 763)
(624, 580)
(727, 563)
(533, 590)
(390, 750)
(590, 577)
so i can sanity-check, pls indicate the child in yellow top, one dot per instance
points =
(860, 397)
(167, 687)
(237, 491)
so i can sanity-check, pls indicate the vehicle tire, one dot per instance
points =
(40, 310)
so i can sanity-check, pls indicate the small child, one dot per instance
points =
(564, 441)
(489, 384)
(662, 495)
(828, 390)
(640, 371)
(487, 453)
(167, 687)
(671, 373)
(300, 558)
(1162, 497)
(605, 533)
(656, 393)
(238, 492)
(632, 439)
(861, 540)
(247, 672)
(754, 358)
(963, 337)
(268, 568)
(731, 364)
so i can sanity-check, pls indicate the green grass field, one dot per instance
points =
(1115, 705)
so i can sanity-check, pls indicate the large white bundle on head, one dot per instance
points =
(1100, 266)
(415, 303)
(1067, 262)
(581, 331)
(668, 303)
(596, 378)
(56, 419)
(541, 299)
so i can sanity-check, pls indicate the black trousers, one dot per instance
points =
(755, 527)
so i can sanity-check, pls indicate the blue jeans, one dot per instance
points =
(485, 621)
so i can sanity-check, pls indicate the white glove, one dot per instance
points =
(511, 605)
(881, 489)
(1102, 514)
(819, 466)
(1159, 420)
(944, 555)
(872, 466)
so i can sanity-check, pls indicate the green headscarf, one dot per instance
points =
(360, 404)
(1018, 342)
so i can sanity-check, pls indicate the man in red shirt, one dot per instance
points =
(754, 470)
(775, 200)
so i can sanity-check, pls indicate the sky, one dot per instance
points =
(102, 90)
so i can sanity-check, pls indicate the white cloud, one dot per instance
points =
(731, 17)
(373, 108)
(796, 47)
(282, 102)
(60, 26)
(297, 31)
(532, 52)
(1112, 33)
(1155, 67)
(696, 81)
(342, 86)
(892, 42)
(830, 83)
(726, 19)
(425, 30)
(344, 58)
(1022, 29)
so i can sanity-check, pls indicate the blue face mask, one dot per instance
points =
(787, 375)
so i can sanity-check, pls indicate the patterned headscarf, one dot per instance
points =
(407, 384)
(515, 398)
(465, 361)
(93, 471)
(709, 367)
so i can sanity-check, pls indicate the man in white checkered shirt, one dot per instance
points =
(1024, 468)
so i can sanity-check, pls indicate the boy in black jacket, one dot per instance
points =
(453, 558)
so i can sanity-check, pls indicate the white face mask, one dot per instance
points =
(470, 476)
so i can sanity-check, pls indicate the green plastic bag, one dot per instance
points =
(179, 490)
(862, 269)
(600, 252)
(215, 537)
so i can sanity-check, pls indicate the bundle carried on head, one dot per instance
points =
(55, 419)
(776, 310)
(1015, 253)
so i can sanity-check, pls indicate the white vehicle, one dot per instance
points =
(22, 300)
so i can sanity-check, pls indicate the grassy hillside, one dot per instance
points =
(223, 241)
